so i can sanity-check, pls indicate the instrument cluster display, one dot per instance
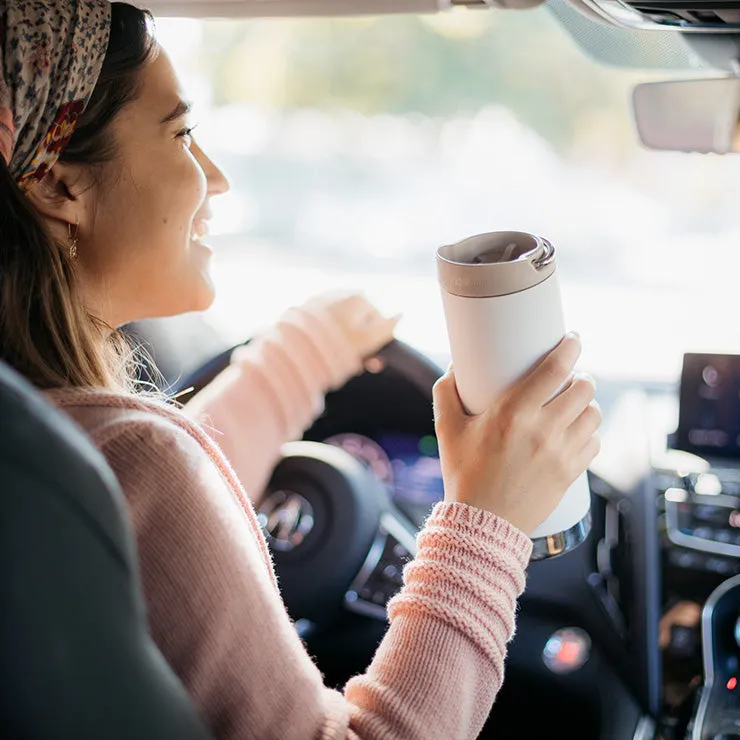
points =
(407, 464)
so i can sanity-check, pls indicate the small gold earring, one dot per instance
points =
(72, 240)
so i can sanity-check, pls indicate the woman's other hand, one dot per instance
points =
(367, 330)
(518, 458)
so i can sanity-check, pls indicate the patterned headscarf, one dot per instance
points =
(51, 53)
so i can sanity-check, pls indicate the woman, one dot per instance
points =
(105, 196)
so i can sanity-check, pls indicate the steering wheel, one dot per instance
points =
(336, 536)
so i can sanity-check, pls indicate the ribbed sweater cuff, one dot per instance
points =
(468, 573)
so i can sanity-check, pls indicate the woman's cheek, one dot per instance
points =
(184, 195)
(198, 179)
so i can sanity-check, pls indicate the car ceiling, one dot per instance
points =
(285, 8)
(622, 47)
(599, 39)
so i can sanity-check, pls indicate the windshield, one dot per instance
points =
(356, 147)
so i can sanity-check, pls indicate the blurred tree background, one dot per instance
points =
(450, 64)
(354, 146)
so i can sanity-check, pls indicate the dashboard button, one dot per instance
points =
(707, 484)
(683, 641)
(707, 513)
(716, 565)
(730, 483)
(704, 533)
(685, 559)
(725, 536)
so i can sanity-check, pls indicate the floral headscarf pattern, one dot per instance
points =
(51, 53)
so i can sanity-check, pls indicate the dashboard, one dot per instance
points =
(385, 421)
(666, 532)
(658, 548)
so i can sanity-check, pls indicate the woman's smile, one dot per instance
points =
(199, 230)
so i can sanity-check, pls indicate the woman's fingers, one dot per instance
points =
(380, 329)
(585, 455)
(585, 425)
(550, 375)
(519, 457)
(366, 329)
(568, 405)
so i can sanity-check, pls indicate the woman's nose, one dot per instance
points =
(218, 183)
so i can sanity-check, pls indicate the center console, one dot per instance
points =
(698, 487)
(702, 509)
(701, 520)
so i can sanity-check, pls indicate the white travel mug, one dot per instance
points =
(503, 310)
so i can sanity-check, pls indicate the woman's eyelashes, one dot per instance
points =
(187, 133)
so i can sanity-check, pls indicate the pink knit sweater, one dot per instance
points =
(212, 597)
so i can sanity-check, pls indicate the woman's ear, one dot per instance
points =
(61, 197)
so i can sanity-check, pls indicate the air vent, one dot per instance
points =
(611, 580)
(686, 16)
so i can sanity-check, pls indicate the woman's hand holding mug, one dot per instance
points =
(518, 458)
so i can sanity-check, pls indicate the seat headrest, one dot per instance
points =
(76, 659)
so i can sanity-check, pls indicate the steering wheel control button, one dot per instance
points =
(567, 650)
(381, 577)
(286, 519)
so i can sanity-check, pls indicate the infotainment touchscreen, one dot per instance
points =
(709, 415)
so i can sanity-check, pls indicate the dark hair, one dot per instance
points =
(46, 333)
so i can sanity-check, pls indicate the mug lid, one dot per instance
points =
(495, 264)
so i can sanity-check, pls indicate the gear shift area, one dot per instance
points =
(718, 713)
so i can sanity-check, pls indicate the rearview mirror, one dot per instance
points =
(689, 115)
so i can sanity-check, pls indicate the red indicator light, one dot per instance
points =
(731, 684)
(569, 653)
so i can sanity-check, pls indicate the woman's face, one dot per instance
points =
(141, 249)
